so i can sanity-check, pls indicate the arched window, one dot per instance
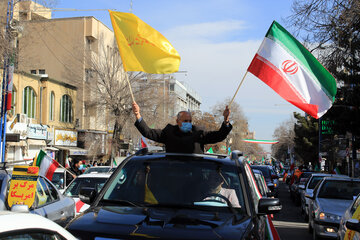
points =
(13, 101)
(66, 111)
(52, 106)
(29, 102)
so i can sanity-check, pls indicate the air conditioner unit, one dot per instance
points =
(22, 118)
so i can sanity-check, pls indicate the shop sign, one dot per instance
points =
(65, 138)
(37, 131)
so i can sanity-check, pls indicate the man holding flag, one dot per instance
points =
(183, 137)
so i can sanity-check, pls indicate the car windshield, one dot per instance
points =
(346, 190)
(265, 171)
(314, 181)
(58, 180)
(75, 186)
(98, 170)
(177, 183)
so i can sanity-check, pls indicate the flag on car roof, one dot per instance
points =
(286, 66)
(337, 171)
(46, 164)
(141, 47)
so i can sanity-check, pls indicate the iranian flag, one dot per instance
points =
(46, 165)
(286, 66)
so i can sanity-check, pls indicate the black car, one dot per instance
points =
(176, 196)
(272, 179)
(298, 186)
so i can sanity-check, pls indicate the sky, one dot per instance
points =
(216, 40)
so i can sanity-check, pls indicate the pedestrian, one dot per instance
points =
(183, 137)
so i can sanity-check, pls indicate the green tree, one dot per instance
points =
(306, 139)
(332, 27)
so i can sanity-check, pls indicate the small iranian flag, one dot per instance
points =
(46, 165)
(286, 66)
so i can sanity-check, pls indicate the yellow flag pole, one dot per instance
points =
(237, 90)
(131, 92)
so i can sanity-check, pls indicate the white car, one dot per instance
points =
(93, 180)
(30, 226)
(308, 189)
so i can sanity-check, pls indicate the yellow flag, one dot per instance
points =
(141, 47)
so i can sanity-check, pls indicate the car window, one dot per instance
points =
(176, 182)
(74, 188)
(40, 197)
(355, 205)
(339, 189)
(31, 235)
(314, 181)
(58, 180)
(266, 171)
(53, 193)
(45, 187)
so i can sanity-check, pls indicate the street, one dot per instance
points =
(288, 222)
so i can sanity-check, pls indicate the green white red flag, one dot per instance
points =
(259, 141)
(46, 164)
(286, 66)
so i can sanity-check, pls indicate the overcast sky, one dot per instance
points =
(216, 41)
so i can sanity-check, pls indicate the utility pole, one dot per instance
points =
(8, 70)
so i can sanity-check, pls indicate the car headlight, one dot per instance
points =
(329, 217)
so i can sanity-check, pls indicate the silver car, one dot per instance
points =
(309, 188)
(49, 202)
(331, 197)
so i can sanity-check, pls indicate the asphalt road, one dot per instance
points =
(288, 222)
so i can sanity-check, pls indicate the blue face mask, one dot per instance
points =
(81, 167)
(186, 127)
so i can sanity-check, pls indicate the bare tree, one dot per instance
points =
(110, 91)
(285, 134)
(240, 127)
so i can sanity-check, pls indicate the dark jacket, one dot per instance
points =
(179, 142)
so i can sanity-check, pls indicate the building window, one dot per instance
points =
(33, 71)
(52, 106)
(29, 102)
(13, 101)
(66, 111)
(41, 71)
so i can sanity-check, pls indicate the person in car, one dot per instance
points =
(183, 137)
(214, 186)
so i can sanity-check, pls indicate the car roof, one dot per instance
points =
(329, 175)
(183, 156)
(13, 221)
(342, 179)
(95, 175)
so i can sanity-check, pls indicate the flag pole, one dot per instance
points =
(131, 92)
(237, 89)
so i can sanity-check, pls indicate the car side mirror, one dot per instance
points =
(310, 195)
(269, 206)
(87, 195)
(353, 224)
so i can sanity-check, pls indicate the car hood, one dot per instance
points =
(129, 222)
(334, 206)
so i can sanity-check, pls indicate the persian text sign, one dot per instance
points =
(23, 185)
(65, 138)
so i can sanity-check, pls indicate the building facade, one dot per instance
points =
(41, 107)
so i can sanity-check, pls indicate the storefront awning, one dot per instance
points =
(73, 150)
(51, 148)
